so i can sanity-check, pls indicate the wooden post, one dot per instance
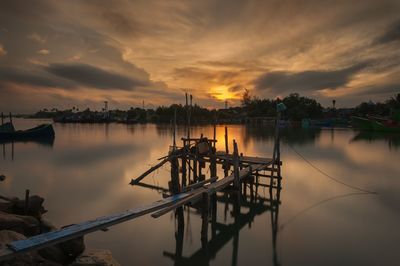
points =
(26, 207)
(236, 211)
(213, 201)
(187, 115)
(204, 218)
(213, 162)
(190, 114)
(179, 232)
(226, 141)
(184, 170)
(236, 181)
(201, 177)
(175, 186)
(174, 131)
(276, 153)
(226, 165)
(215, 135)
(195, 177)
(10, 118)
(2, 118)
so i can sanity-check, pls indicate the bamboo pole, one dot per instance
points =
(226, 164)
(184, 162)
(174, 131)
(236, 165)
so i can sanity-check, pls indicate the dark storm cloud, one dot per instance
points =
(283, 81)
(33, 78)
(94, 77)
(392, 34)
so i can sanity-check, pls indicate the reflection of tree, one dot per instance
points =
(289, 135)
(392, 139)
(221, 233)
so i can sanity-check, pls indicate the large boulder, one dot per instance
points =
(46, 226)
(34, 208)
(24, 259)
(64, 252)
(95, 258)
(17, 206)
(26, 225)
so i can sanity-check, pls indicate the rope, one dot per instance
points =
(302, 212)
(329, 176)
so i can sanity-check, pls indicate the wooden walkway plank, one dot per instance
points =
(77, 230)
(210, 188)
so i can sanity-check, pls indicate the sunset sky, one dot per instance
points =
(80, 53)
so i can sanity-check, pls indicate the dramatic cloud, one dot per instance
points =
(94, 77)
(129, 51)
(32, 78)
(391, 35)
(282, 81)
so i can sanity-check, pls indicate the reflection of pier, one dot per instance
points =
(245, 208)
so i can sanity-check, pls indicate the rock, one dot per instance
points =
(24, 259)
(95, 258)
(47, 226)
(34, 208)
(6, 206)
(55, 254)
(25, 225)
(64, 252)
(74, 247)
(7, 236)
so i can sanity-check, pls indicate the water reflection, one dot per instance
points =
(392, 139)
(85, 173)
(243, 207)
(289, 135)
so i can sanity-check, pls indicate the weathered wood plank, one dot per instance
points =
(155, 167)
(210, 188)
(80, 229)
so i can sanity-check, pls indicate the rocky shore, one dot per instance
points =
(21, 219)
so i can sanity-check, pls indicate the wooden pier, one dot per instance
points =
(188, 185)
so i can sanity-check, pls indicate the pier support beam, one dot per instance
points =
(236, 181)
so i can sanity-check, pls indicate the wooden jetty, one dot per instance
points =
(187, 186)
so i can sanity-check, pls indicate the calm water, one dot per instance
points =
(85, 174)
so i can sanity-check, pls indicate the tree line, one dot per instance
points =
(298, 107)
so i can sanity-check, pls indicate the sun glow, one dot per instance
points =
(222, 93)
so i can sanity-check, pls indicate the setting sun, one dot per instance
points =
(222, 93)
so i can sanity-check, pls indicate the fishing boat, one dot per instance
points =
(376, 124)
(40, 132)
(7, 127)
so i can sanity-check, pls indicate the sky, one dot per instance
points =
(80, 53)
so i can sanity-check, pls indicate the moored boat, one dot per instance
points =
(7, 127)
(40, 132)
(375, 124)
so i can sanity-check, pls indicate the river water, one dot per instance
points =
(84, 173)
